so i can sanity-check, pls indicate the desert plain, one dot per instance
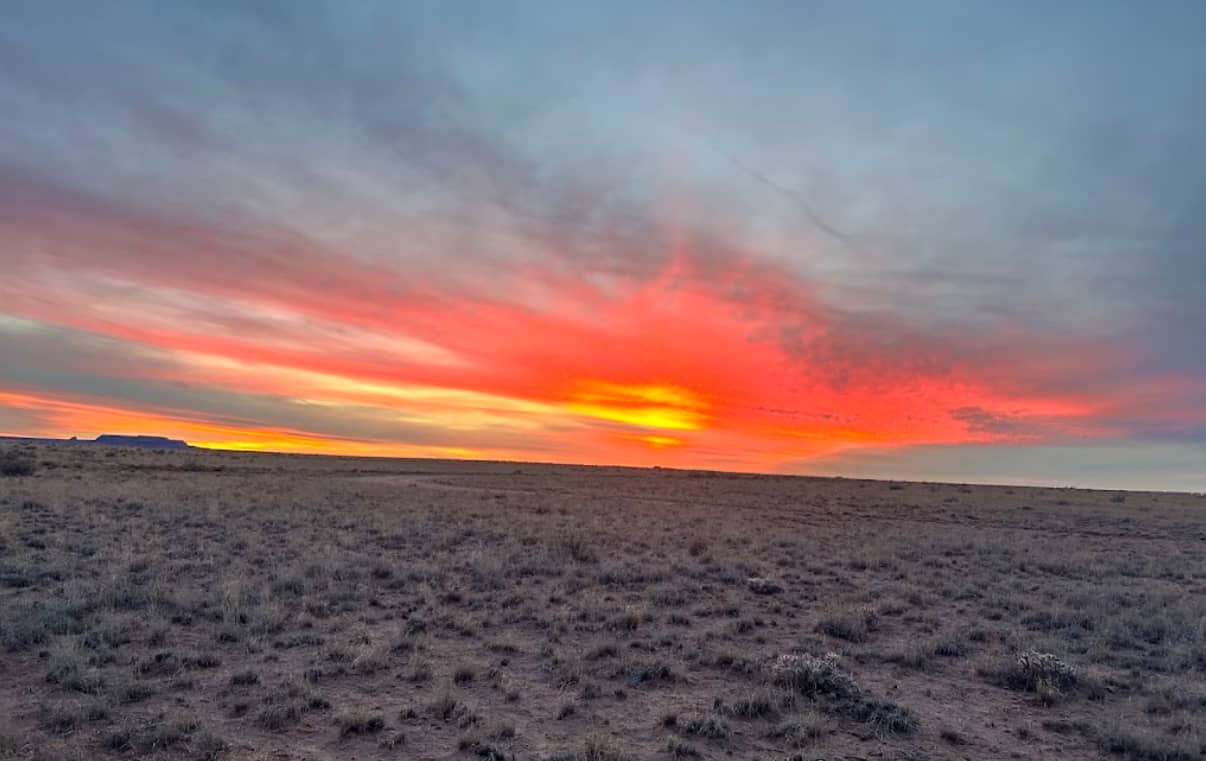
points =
(219, 605)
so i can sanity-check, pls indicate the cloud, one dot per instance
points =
(1145, 465)
(409, 227)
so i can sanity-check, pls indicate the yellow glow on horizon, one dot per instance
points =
(658, 406)
(272, 443)
(307, 445)
(659, 442)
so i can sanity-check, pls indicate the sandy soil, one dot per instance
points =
(221, 605)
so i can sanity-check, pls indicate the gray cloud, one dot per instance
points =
(1138, 465)
(85, 366)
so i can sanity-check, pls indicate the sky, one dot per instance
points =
(935, 240)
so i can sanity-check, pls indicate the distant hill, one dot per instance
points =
(109, 439)
(150, 442)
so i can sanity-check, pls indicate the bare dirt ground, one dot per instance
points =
(219, 605)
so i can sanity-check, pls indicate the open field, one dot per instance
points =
(236, 606)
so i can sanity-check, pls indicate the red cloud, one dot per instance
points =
(712, 356)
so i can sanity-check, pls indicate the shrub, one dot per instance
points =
(914, 655)
(244, 679)
(762, 704)
(600, 749)
(278, 716)
(13, 463)
(62, 718)
(761, 586)
(359, 724)
(200, 661)
(367, 664)
(481, 749)
(823, 678)
(444, 707)
(852, 627)
(503, 732)
(208, 746)
(802, 732)
(812, 676)
(1032, 671)
(953, 737)
(145, 739)
(10, 746)
(602, 651)
(680, 748)
(420, 671)
(127, 692)
(1147, 746)
(951, 646)
(708, 728)
(69, 672)
(575, 546)
(639, 672)
(883, 716)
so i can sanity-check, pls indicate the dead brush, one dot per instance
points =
(1032, 671)
(764, 703)
(812, 676)
(854, 626)
(824, 680)
(575, 546)
(802, 731)
(15, 463)
(708, 728)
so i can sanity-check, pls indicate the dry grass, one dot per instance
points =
(215, 605)
(17, 462)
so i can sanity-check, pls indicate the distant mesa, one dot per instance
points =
(150, 442)
(110, 439)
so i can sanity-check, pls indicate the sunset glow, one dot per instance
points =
(493, 250)
(662, 408)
